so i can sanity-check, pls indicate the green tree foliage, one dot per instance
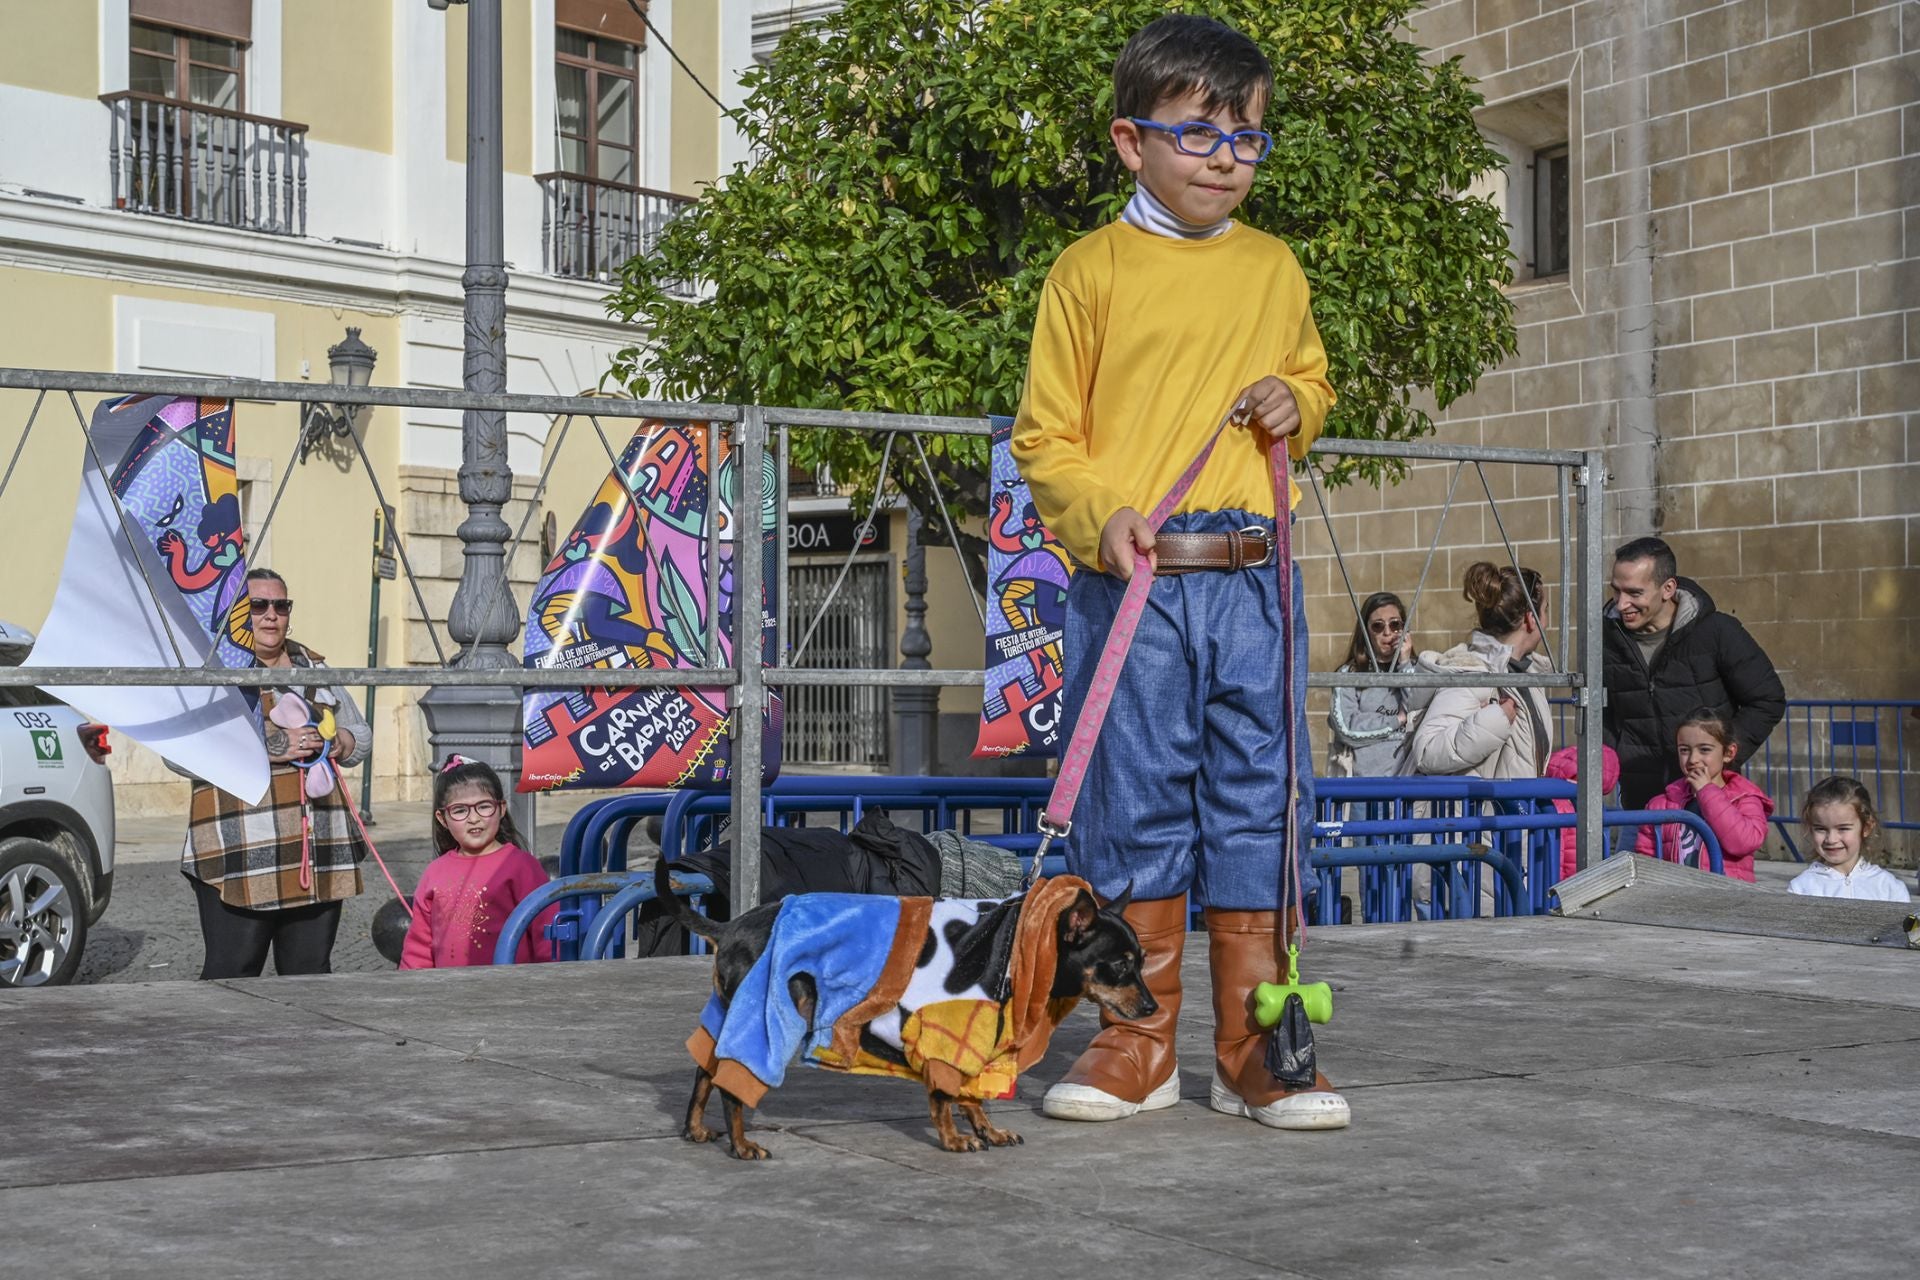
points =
(919, 164)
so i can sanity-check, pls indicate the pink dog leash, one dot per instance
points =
(1056, 820)
(312, 721)
(306, 846)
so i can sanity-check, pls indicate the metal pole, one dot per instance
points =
(749, 631)
(1591, 480)
(1568, 601)
(483, 723)
(373, 660)
(783, 633)
(661, 677)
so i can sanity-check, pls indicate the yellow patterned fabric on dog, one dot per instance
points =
(976, 1048)
(957, 1046)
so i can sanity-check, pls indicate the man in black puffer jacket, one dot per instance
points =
(1669, 652)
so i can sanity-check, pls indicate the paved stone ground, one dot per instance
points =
(1532, 1098)
(151, 931)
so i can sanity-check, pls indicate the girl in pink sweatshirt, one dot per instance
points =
(1736, 809)
(482, 873)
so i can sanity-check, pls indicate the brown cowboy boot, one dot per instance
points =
(1241, 954)
(1129, 1067)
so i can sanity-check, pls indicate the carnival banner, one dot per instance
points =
(163, 587)
(627, 588)
(1027, 574)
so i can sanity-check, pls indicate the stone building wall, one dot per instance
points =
(1736, 329)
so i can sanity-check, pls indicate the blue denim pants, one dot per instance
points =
(1187, 785)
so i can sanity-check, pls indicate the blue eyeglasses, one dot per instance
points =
(1198, 138)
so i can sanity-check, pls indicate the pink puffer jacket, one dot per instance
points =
(1564, 764)
(1737, 811)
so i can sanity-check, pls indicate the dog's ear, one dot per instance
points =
(1076, 922)
(1119, 905)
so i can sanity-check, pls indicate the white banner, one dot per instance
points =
(104, 610)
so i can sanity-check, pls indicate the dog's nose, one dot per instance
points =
(1148, 1006)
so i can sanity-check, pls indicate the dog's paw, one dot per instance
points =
(748, 1151)
(702, 1134)
(961, 1142)
(1003, 1138)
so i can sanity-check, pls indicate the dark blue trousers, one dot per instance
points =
(1187, 785)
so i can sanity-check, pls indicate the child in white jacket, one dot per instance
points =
(1840, 819)
(1491, 732)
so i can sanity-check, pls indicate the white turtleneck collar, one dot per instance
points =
(1146, 212)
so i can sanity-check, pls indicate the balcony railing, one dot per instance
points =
(589, 229)
(182, 160)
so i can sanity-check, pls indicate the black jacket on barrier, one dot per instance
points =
(875, 857)
(1708, 661)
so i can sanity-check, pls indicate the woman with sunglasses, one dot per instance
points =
(1368, 727)
(272, 876)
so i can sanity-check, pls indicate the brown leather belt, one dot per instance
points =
(1248, 548)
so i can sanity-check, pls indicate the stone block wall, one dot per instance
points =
(1738, 331)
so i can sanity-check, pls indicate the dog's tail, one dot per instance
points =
(692, 920)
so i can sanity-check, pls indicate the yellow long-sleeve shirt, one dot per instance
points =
(1141, 344)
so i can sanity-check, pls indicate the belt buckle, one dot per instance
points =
(1266, 558)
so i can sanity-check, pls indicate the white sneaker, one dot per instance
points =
(1317, 1110)
(1084, 1102)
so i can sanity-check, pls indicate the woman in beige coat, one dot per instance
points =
(1490, 731)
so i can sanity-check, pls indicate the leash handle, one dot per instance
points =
(306, 845)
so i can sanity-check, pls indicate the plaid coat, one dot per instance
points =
(253, 854)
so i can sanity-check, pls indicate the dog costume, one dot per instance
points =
(923, 972)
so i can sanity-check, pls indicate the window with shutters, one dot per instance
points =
(187, 67)
(1534, 186)
(596, 106)
(180, 141)
(596, 214)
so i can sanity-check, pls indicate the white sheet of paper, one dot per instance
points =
(103, 615)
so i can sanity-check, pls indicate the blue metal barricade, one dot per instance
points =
(569, 924)
(1876, 740)
(1382, 828)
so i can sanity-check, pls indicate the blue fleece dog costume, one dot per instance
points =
(863, 954)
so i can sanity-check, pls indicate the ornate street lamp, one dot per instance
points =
(350, 363)
(483, 722)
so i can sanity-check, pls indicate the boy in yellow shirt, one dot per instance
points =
(1149, 330)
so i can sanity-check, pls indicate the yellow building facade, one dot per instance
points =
(225, 187)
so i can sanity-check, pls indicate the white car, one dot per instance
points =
(56, 829)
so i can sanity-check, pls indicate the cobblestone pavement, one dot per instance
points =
(151, 931)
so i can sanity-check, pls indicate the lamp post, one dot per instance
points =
(483, 722)
(350, 364)
(916, 708)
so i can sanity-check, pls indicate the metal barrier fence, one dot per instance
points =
(1387, 832)
(752, 429)
(1876, 740)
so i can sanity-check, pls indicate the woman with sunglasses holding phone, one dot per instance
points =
(272, 876)
(1368, 727)
(481, 875)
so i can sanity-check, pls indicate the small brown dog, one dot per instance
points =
(959, 995)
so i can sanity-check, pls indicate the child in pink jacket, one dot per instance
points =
(482, 874)
(1735, 808)
(1564, 764)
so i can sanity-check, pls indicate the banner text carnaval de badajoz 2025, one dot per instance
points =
(627, 589)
